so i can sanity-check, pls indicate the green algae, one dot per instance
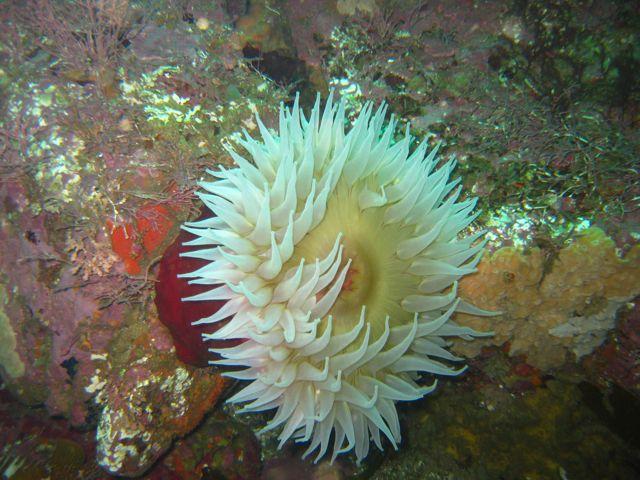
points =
(9, 358)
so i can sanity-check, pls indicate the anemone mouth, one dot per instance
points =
(338, 254)
(376, 278)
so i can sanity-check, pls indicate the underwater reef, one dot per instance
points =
(114, 111)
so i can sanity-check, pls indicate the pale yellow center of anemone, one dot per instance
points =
(377, 278)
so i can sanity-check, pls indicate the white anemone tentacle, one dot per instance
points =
(338, 255)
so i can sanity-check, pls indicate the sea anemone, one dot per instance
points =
(337, 255)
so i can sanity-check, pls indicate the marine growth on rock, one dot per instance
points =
(337, 252)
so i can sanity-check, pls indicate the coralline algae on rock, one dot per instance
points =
(154, 402)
